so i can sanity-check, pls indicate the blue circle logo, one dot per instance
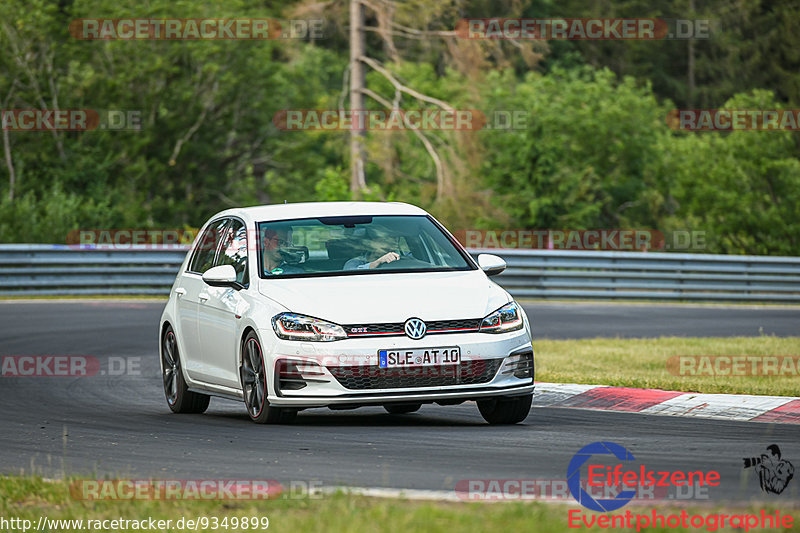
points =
(574, 477)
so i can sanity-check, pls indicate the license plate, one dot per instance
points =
(450, 355)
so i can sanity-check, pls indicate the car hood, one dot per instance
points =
(370, 298)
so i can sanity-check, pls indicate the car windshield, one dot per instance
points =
(352, 245)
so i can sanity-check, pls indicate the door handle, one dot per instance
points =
(180, 291)
(202, 297)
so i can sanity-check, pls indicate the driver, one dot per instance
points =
(274, 242)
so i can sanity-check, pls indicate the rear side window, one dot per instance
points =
(234, 250)
(207, 247)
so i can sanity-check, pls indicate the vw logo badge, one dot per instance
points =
(415, 328)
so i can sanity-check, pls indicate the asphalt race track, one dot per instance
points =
(119, 425)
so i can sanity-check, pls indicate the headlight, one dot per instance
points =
(305, 328)
(507, 318)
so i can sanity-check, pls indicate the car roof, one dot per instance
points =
(320, 209)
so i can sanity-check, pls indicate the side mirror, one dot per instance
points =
(222, 276)
(491, 264)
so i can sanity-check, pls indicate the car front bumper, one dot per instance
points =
(323, 371)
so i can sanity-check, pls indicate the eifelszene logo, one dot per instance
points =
(774, 473)
(628, 477)
(574, 476)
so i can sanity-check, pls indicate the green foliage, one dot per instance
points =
(334, 186)
(743, 188)
(51, 217)
(207, 140)
(596, 151)
(750, 45)
(584, 159)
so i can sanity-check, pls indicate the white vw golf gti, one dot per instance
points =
(341, 305)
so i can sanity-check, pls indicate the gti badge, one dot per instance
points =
(415, 328)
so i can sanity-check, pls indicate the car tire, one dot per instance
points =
(179, 398)
(505, 410)
(253, 376)
(402, 408)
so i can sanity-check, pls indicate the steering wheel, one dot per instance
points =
(405, 261)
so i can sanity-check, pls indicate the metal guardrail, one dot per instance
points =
(50, 269)
(649, 276)
(42, 269)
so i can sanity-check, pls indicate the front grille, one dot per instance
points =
(373, 377)
(441, 326)
(396, 328)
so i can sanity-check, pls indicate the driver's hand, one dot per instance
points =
(386, 258)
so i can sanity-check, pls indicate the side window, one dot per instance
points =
(205, 252)
(234, 250)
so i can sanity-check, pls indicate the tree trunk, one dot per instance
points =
(690, 96)
(357, 81)
(12, 177)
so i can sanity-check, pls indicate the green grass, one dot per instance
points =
(642, 363)
(29, 498)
